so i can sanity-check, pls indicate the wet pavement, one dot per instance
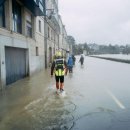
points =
(97, 98)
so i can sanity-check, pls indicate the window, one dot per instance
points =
(28, 24)
(2, 16)
(39, 26)
(51, 34)
(48, 32)
(29, 29)
(41, 6)
(17, 19)
(37, 51)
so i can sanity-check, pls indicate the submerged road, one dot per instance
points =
(97, 98)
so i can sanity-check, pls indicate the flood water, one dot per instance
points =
(97, 98)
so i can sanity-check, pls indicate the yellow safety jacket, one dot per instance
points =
(59, 67)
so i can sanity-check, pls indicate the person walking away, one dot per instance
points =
(74, 59)
(59, 67)
(81, 60)
(70, 64)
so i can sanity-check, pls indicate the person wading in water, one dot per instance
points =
(59, 67)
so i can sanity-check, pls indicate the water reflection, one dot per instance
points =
(81, 66)
(70, 75)
(51, 113)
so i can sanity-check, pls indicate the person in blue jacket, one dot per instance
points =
(70, 64)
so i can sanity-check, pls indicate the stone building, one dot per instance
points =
(63, 43)
(52, 29)
(21, 39)
(30, 33)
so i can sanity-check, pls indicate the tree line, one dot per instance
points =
(92, 49)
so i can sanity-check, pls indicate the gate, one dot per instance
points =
(15, 59)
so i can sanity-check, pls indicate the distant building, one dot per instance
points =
(85, 52)
(71, 42)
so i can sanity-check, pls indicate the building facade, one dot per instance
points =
(52, 29)
(21, 41)
(29, 37)
(71, 42)
(56, 32)
(63, 43)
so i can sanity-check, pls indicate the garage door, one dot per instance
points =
(15, 59)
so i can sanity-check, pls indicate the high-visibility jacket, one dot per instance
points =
(59, 67)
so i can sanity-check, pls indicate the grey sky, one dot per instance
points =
(99, 21)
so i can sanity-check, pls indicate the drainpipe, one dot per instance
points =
(45, 37)
(45, 40)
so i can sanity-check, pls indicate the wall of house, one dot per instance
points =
(34, 45)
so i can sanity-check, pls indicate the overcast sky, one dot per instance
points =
(98, 21)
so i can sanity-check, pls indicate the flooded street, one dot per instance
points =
(97, 98)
